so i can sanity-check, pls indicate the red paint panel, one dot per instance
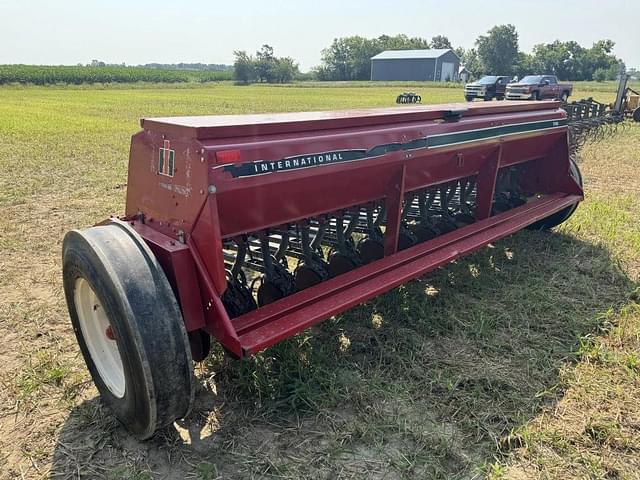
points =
(394, 198)
(207, 239)
(169, 204)
(433, 167)
(253, 203)
(487, 184)
(530, 147)
(188, 290)
(175, 259)
(217, 322)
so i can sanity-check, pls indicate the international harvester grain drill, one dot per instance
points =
(253, 228)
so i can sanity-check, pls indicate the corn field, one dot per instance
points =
(76, 75)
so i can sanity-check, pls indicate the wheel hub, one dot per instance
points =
(109, 333)
(99, 337)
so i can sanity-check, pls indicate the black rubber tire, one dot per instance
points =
(563, 215)
(636, 115)
(146, 323)
(535, 96)
(469, 99)
(564, 97)
(500, 98)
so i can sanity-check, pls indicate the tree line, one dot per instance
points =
(264, 67)
(497, 52)
(347, 58)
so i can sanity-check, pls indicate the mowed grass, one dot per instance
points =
(521, 361)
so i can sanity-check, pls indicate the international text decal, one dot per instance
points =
(291, 163)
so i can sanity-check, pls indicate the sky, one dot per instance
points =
(142, 31)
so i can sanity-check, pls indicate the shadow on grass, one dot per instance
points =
(431, 380)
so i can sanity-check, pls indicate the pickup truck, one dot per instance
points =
(487, 88)
(539, 87)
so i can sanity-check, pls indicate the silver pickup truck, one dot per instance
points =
(487, 88)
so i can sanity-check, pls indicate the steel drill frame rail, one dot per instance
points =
(362, 200)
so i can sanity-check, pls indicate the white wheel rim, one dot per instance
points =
(94, 325)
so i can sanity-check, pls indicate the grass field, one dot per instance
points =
(521, 361)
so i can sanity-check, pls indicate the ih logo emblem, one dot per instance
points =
(166, 162)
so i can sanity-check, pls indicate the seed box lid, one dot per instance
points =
(227, 126)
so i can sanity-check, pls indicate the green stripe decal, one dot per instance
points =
(435, 141)
(261, 167)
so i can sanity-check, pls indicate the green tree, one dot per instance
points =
(472, 63)
(572, 61)
(335, 60)
(265, 64)
(600, 56)
(525, 65)
(498, 50)
(323, 73)
(563, 59)
(600, 75)
(243, 67)
(400, 42)
(348, 58)
(265, 67)
(286, 69)
(440, 41)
